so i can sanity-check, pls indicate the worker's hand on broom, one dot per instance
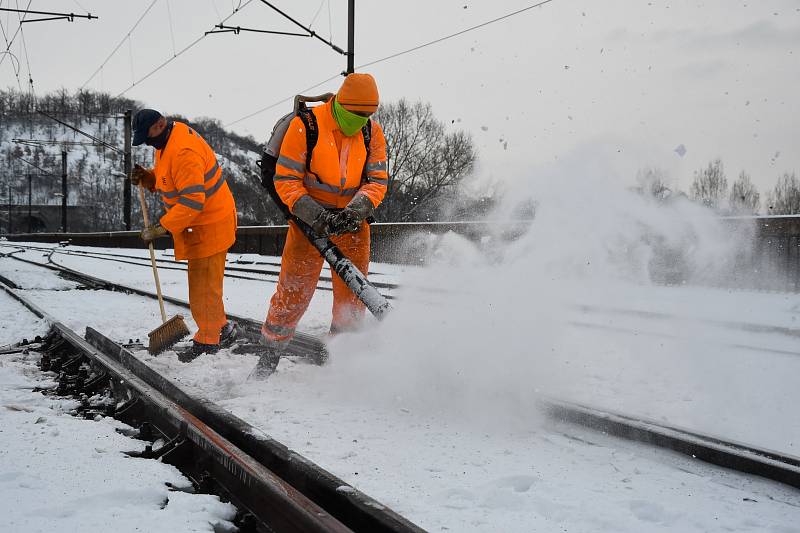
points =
(147, 178)
(152, 232)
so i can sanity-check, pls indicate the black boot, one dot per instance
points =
(228, 334)
(196, 350)
(268, 359)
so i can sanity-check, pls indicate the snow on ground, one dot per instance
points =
(56, 472)
(446, 431)
(676, 369)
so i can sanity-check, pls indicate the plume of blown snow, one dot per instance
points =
(477, 333)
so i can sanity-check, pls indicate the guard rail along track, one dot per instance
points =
(769, 464)
(274, 488)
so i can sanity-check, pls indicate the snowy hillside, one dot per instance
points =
(32, 143)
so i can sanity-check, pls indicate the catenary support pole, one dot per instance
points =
(351, 35)
(30, 199)
(9, 205)
(128, 166)
(63, 191)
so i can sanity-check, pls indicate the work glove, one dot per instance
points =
(146, 177)
(150, 233)
(349, 219)
(309, 211)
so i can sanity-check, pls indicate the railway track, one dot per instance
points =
(302, 345)
(233, 272)
(275, 488)
(587, 316)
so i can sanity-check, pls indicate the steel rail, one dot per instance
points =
(770, 464)
(250, 485)
(283, 489)
(354, 508)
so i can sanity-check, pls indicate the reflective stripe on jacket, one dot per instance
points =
(337, 164)
(195, 195)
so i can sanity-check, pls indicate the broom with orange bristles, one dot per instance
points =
(174, 329)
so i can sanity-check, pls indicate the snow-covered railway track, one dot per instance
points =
(749, 459)
(738, 456)
(274, 488)
(269, 275)
(302, 345)
(634, 322)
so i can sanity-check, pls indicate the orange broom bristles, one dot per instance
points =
(167, 334)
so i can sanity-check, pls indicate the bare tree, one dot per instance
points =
(710, 185)
(785, 197)
(744, 197)
(425, 163)
(652, 182)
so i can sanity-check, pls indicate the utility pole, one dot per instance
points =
(127, 167)
(63, 191)
(351, 35)
(9, 206)
(30, 200)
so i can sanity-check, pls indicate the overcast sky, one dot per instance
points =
(614, 84)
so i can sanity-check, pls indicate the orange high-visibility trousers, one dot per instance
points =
(205, 296)
(301, 265)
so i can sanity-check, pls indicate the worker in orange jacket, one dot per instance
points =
(334, 196)
(200, 216)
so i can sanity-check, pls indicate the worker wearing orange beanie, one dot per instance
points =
(335, 197)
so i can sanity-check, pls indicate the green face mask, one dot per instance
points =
(348, 121)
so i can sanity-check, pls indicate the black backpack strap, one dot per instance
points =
(312, 133)
(366, 132)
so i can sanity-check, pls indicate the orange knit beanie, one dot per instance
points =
(358, 93)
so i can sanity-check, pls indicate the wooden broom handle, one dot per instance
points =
(152, 254)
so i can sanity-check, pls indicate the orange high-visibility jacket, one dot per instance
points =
(337, 163)
(201, 213)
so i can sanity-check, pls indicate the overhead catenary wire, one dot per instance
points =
(9, 43)
(121, 42)
(27, 60)
(279, 102)
(78, 130)
(182, 51)
(171, 29)
(14, 58)
(394, 55)
(316, 14)
(456, 34)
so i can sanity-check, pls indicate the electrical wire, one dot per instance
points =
(319, 9)
(80, 6)
(14, 67)
(279, 102)
(330, 22)
(121, 42)
(183, 50)
(171, 30)
(462, 32)
(392, 56)
(27, 60)
(8, 47)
